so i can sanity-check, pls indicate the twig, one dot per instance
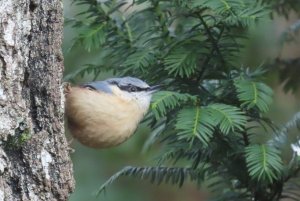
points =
(205, 63)
(213, 41)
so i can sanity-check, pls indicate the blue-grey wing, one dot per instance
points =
(99, 86)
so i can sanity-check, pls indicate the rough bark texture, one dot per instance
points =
(34, 158)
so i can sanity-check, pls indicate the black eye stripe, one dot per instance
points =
(131, 88)
(89, 87)
(114, 83)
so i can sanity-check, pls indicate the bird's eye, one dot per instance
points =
(114, 83)
(89, 88)
(132, 89)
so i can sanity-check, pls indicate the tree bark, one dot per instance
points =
(34, 158)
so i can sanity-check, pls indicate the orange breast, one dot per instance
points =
(100, 120)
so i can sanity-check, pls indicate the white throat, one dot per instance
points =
(142, 98)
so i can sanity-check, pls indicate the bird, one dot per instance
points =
(104, 114)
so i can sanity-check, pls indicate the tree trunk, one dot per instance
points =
(34, 158)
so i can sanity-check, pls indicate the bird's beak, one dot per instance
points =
(154, 88)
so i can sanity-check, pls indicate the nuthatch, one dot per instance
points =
(105, 113)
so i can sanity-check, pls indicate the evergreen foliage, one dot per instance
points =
(263, 162)
(252, 94)
(206, 113)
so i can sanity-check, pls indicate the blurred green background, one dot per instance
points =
(93, 167)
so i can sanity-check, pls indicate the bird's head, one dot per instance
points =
(126, 88)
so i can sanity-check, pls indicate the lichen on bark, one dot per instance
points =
(34, 158)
